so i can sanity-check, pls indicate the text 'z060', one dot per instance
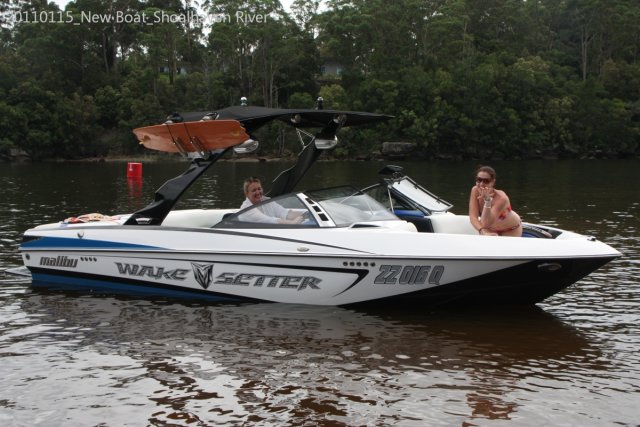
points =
(409, 274)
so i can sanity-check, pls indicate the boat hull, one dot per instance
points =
(524, 283)
(343, 270)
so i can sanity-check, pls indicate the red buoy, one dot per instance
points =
(134, 170)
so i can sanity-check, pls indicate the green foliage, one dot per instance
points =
(463, 78)
(300, 100)
(334, 97)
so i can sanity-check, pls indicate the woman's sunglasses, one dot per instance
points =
(483, 180)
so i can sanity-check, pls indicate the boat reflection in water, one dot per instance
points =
(285, 363)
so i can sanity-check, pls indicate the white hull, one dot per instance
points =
(309, 266)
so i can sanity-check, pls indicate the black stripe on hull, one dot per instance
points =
(528, 283)
(69, 280)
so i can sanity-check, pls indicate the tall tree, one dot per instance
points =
(255, 41)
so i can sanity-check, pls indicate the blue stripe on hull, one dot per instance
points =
(76, 243)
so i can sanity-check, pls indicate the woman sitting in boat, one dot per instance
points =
(271, 213)
(490, 209)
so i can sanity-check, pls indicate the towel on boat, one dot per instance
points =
(91, 217)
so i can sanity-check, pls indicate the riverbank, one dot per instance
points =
(148, 158)
(161, 157)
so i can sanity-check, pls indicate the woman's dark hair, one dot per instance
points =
(488, 169)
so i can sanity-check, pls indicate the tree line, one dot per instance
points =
(462, 78)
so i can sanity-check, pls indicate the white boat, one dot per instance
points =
(394, 242)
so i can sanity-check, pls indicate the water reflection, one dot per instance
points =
(134, 189)
(291, 363)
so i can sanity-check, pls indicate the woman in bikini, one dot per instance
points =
(489, 208)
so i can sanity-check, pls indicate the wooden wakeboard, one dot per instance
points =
(187, 137)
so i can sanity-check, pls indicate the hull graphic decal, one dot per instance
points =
(203, 274)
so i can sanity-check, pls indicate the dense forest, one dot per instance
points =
(462, 78)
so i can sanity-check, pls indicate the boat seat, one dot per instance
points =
(452, 224)
(195, 217)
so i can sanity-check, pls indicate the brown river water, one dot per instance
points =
(74, 359)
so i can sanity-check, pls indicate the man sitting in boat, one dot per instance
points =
(490, 209)
(271, 213)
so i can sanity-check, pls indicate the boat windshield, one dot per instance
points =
(406, 195)
(414, 191)
(332, 207)
(286, 210)
(346, 206)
